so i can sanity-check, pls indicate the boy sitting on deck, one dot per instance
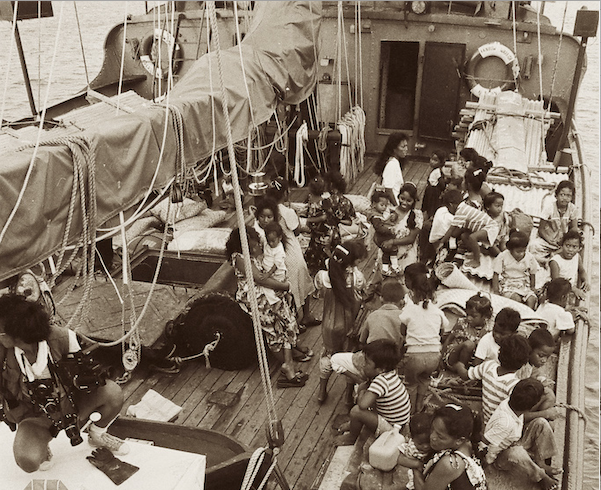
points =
(514, 445)
(381, 402)
(499, 378)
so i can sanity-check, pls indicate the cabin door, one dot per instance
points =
(398, 77)
(441, 84)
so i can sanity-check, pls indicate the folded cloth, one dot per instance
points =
(153, 406)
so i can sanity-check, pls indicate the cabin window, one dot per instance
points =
(399, 61)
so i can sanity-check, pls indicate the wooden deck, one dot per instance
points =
(308, 445)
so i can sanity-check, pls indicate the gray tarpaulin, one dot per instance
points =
(279, 64)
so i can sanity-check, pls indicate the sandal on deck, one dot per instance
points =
(298, 381)
(304, 354)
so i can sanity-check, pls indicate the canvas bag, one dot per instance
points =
(518, 220)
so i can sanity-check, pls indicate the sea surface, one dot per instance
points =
(58, 73)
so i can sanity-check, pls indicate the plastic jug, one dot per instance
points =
(384, 452)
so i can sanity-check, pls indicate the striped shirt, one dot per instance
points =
(471, 218)
(495, 388)
(393, 400)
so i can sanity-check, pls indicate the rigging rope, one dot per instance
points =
(83, 53)
(563, 20)
(302, 135)
(262, 355)
(7, 68)
(540, 77)
(122, 64)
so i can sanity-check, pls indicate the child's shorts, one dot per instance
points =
(349, 362)
(383, 426)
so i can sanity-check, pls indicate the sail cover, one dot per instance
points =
(279, 65)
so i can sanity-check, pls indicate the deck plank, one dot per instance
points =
(307, 425)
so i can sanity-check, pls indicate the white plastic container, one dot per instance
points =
(384, 452)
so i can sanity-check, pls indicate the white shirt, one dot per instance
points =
(392, 176)
(487, 349)
(558, 319)
(275, 256)
(502, 430)
(440, 224)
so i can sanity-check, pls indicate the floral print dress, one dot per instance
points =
(277, 320)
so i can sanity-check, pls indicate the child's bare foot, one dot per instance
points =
(548, 483)
(346, 439)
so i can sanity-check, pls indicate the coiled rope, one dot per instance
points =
(302, 136)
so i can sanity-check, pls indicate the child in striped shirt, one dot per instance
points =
(473, 226)
(499, 378)
(383, 401)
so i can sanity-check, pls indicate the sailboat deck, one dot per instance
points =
(232, 402)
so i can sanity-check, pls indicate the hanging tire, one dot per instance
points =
(205, 319)
(497, 50)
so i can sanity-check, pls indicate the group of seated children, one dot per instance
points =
(404, 336)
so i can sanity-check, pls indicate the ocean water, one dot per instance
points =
(68, 75)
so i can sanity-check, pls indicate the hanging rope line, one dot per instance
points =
(563, 20)
(262, 355)
(302, 136)
(122, 64)
(7, 68)
(83, 53)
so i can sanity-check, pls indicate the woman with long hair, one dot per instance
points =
(389, 165)
(342, 284)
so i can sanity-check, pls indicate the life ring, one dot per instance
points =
(149, 50)
(491, 49)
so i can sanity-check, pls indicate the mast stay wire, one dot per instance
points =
(263, 363)
(83, 53)
(122, 64)
(540, 80)
(563, 20)
(10, 55)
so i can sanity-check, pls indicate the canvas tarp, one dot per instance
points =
(279, 65)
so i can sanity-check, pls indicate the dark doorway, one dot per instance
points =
(397, 85)
(440, 90)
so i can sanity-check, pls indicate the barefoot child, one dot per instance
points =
(474, 227)
(515, 271)
(416, 450)
(567, 263)
(423, 323)
(384, 402)
(382, 219)
(553, 309)
(458, 349)
(513, 447)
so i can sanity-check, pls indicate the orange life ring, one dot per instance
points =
(491, 49)
(148, 50)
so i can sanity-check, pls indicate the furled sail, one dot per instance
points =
(279, 65)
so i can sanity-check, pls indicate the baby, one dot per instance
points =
(274, 255)
(382, 219)
(416, 450)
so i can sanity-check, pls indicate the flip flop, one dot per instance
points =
(304, 355)
(312, 323)
(297, 382)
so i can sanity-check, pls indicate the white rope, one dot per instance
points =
(360, 34)
(262, 355)
(302, 135)
(515, 47)
(540, 77)
(563, 20)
